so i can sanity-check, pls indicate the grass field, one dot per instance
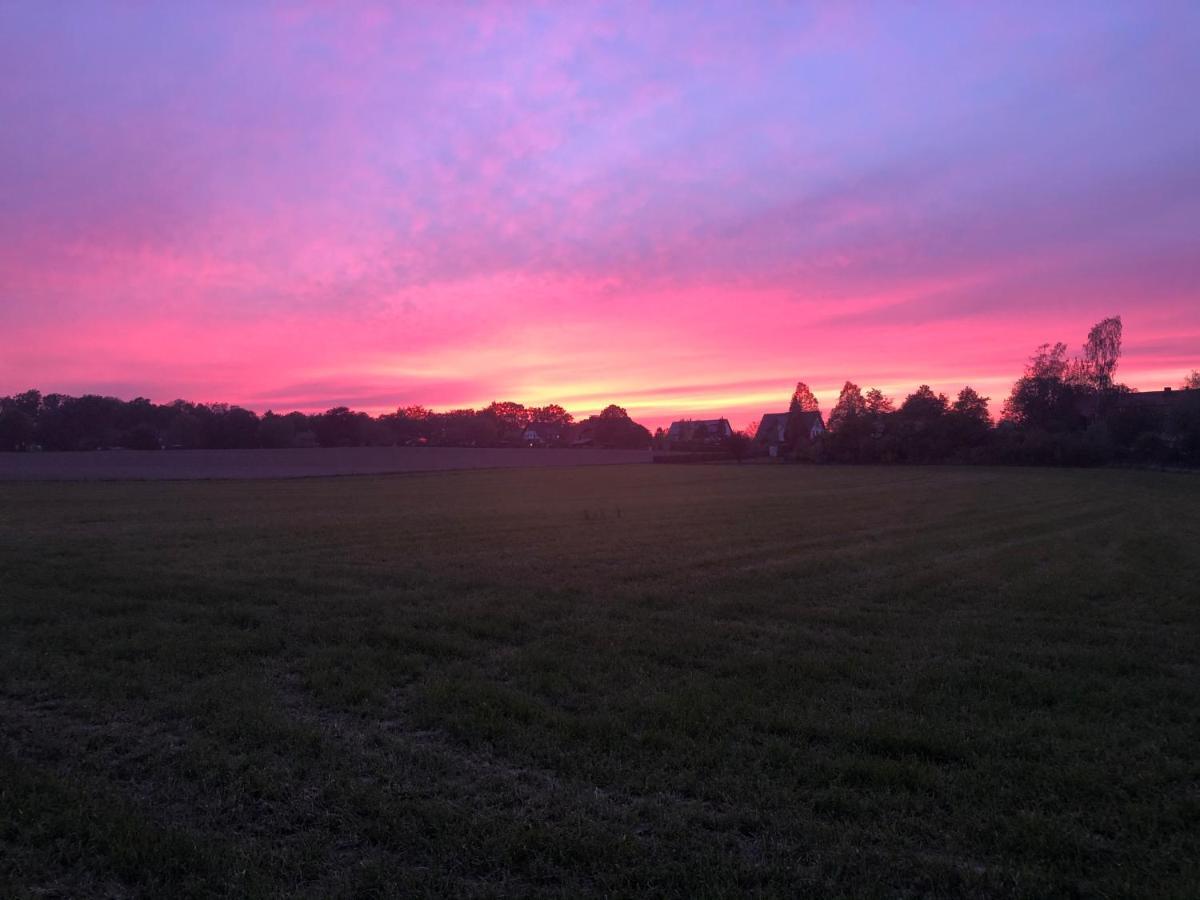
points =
(171, 465)
(687, 681)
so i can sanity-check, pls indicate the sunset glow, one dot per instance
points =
(683, 209)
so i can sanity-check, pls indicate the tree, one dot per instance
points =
(551, 415)
(1192, 382)
(922, 418)
(613, 428)
(803, 400)
(184, 429)
(878, 404)
(238, 428)
(1101, 353)
(30, 403)
(923, 405)
(16, 427)
(849, 409)
(1044, 397)
(512, 417)
(340, 427)
(1048, 361)
(969, 421)
(275, 431)
(849, 426)
(972, 407)
(739, 445)
(143, 436)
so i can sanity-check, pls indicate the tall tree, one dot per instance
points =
(850, 408)
(878, 404)
(1048, 361)
(969, 420)
(612, 411)
(511, 416)
(1101, 352)
(1192, 382)
(1046, 396)
(803, 400)
(923, 403)
(970, 405)
(551, 415)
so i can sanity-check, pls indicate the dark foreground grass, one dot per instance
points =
(647, 680)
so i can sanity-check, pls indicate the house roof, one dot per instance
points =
(1163, 398)
(772, 426)
(677, 429)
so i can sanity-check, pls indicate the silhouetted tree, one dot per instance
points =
(739, 445)
(185, 429)
(237, 428)
(803, 400)
(613, 428)
(850, 407)
(17, 427)
(1060, 411)
(141, 437)
(276, 431)
(850, 426)
(923, 426)
(510, 420)
(340, 427)
(969, 424)
(877, 404)
(552, 414)
(796, 434)
(1101, 353)
(1044, 397)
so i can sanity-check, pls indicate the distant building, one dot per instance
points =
(1164, 401)
(773, 434)
(691, 434)
(544, 434)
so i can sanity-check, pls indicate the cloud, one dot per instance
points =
(302, 202)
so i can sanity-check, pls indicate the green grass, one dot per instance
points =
(656, 680)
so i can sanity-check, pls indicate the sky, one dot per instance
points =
(683, 208)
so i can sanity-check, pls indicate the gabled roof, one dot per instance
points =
(809, 419)
(772, 427)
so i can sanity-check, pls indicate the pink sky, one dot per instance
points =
(683, 209)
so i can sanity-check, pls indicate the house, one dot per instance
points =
(689, 434)
(1162, 402)
(1168, 413)
(773, 434)
(544, 434)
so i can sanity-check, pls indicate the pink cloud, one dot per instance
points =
(312, 204)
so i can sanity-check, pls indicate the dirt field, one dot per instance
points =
(189, 464)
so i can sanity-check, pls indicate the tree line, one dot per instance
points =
(33, 420)
(1061, 411)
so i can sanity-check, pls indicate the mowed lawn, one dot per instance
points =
(645, 680)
